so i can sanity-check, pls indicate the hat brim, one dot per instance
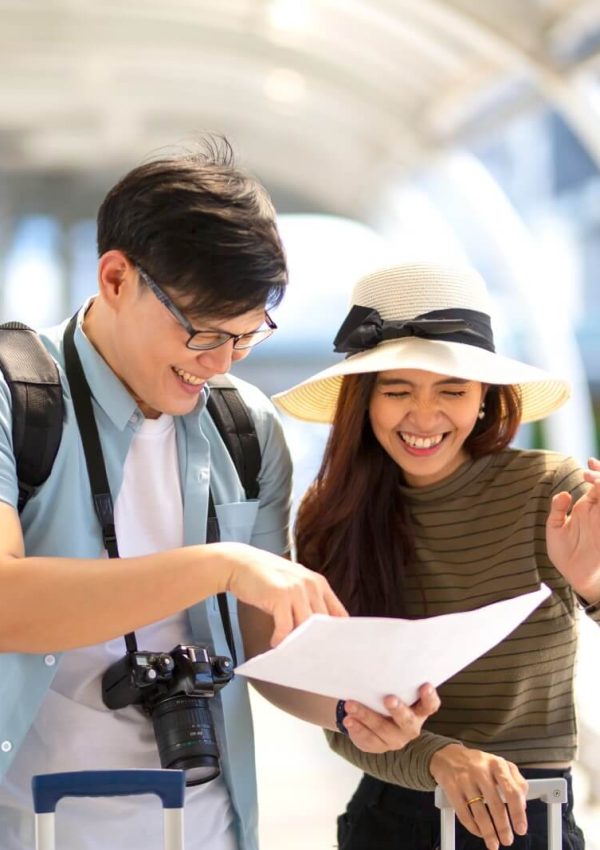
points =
(315, 399)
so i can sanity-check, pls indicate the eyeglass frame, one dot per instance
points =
(192, 331)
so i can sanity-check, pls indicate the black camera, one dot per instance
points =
(174, 688)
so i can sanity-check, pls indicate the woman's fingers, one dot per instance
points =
(487, 792)
(505, 792)
(514, 791)
(363, 736)
(486, 815)
(428, 702)
(496, 810)
(559, 508)
(369, 730)
(474, 815)
(502, 809)
(377, 733)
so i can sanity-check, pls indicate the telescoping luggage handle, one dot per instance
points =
(552, 791)
(49, 788)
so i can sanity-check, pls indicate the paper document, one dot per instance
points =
(367, 658)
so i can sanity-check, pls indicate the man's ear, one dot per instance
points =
(116, 275)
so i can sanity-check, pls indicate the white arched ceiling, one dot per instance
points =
(324, 98)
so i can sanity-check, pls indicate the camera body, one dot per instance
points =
(173, 688)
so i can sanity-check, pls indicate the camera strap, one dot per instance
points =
(102, 498)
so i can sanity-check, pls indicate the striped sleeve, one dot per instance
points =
(408, 767)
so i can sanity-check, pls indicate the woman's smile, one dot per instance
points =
(417, 444)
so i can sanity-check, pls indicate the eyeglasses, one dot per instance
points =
(205, 340)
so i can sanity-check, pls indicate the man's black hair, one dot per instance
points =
(202, 228)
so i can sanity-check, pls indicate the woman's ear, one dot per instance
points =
(481, 413)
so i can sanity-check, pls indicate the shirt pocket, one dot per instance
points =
(236, 520)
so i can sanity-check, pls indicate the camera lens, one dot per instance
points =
(185, 737)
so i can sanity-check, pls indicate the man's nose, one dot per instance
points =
(219, 360)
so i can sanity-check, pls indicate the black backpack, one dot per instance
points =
(38, 413)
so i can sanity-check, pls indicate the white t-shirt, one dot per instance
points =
(75, 731)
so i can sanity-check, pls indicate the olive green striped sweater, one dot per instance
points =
(480, 538)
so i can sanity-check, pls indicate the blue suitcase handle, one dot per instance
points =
(49, 788)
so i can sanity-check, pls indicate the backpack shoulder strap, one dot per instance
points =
(37, 405)
(234, 423)
(231, 416)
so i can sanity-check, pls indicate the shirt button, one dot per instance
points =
(203, 475)
(6, 746)
(50, 660)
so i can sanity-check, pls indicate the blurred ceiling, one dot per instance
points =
(324, 99)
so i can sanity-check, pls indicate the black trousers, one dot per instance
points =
(387, 817)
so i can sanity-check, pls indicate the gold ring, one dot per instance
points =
(474, 800)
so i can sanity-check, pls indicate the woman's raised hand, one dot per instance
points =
(573, 539)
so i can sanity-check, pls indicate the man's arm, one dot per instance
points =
(53, 604)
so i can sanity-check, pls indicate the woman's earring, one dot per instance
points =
(481, 413)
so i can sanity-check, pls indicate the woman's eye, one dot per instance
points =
(395, 394)
(454, 393)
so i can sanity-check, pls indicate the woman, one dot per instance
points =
(419, 509)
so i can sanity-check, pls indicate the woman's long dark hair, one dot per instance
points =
(353, 525)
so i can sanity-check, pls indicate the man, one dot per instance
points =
(190, 262)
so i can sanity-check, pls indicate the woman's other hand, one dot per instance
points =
(376, 733)
(487, 792)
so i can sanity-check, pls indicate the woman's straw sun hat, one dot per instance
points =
(422, 316)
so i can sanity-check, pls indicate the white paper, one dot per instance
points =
(367, 658)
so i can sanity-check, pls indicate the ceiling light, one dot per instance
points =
(289, 15)
(284, 85)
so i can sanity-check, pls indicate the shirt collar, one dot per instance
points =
(106, 388)
(454, 485)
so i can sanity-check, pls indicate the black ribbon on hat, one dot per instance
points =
(363, 328)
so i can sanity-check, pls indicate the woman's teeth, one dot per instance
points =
(421, 442)
(187, 377)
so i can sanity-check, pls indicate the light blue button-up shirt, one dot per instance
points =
(60, 521)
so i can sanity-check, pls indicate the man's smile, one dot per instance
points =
(188, 377)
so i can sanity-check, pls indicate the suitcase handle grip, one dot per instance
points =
(552, 790)
(49, 788)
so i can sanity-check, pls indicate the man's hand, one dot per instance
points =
(488, 793)
(289, 592)
(376, 733)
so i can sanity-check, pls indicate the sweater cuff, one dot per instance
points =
(408, 767)
(592, 610)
